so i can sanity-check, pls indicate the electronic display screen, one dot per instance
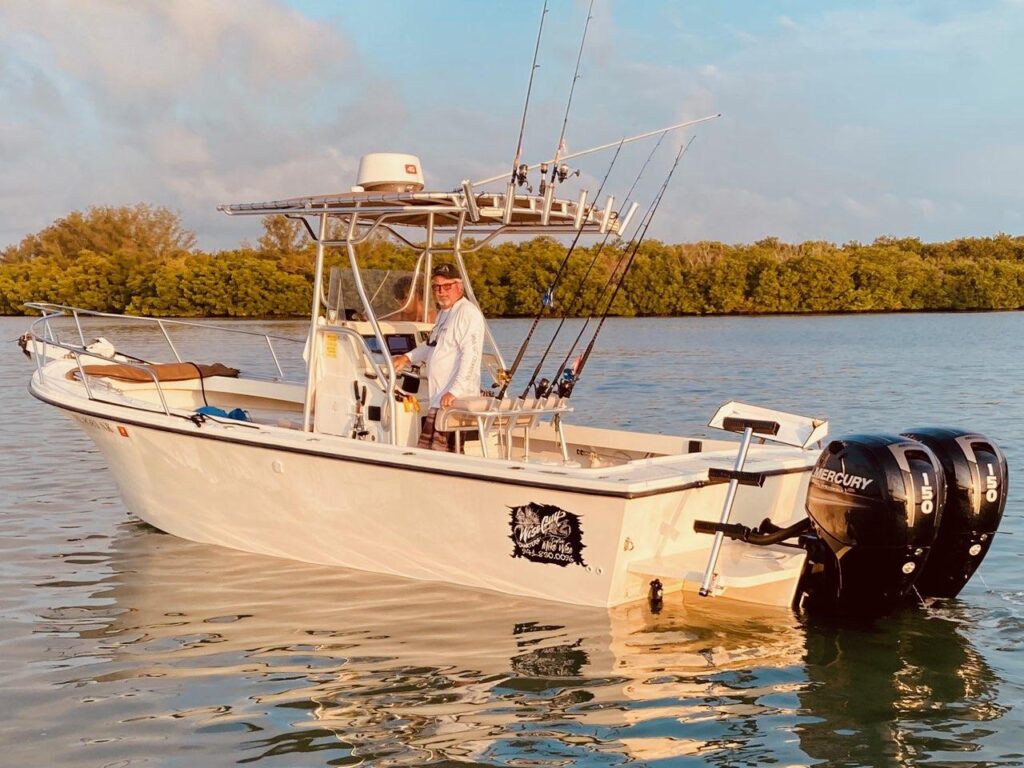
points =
(398, 343)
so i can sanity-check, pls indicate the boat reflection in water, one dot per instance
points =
(245, 658)
(911, 691)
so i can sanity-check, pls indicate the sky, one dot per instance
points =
(840, 120)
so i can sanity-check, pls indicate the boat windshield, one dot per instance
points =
(394, 294)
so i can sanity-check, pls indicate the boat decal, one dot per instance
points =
(89, 421)
(566, 660)
(544, 533)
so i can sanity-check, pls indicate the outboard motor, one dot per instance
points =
(875, 502)
(976, 486)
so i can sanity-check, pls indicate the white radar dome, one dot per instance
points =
(390, 172)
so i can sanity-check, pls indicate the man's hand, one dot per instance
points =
(447, 400)
(399, 361)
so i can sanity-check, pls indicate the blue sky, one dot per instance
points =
(841, 120)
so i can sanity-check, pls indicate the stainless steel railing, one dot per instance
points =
(43, 335)
(50, 312)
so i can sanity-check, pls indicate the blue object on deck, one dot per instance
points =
(236, 413)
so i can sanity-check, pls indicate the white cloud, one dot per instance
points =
(176, 146)
(745, 37)
(181, 103)
(857, 208)
(841, 122)
(926, 208)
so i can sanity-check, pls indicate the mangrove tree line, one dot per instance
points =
(140, 260)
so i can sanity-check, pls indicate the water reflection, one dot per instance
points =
(266, 658)
(908, 690)
(122, 645)
(256, 659)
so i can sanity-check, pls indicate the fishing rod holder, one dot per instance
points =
(624, 220)
(472, 208)
(606, 217)
(495, 419)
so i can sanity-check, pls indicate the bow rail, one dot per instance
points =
(43, 330)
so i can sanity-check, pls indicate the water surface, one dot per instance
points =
(120, 645)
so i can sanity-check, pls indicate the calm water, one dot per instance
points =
(123, 646)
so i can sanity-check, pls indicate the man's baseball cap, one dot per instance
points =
(447, 271)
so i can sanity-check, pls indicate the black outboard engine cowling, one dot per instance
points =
(976, 487)
(875, 501)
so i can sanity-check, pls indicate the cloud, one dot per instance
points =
(181, 103)
(906, 27)
(841, 121)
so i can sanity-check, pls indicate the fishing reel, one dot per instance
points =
(559, 173)
(566, 383)
(562, 172)
(522, 176)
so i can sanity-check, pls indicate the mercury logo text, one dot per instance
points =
(841, 478)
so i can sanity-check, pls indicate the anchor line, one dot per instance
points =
(593, 262)
(529, 89)
(566, 391)
(507, 378)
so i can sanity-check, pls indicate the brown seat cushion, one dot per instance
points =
(163, 371)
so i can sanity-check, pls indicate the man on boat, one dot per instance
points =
(452, 353)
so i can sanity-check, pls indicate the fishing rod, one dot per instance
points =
(526, 106)
(558, 171)
(579, 289)
(549, 295)
(566, 386)
(548, 196)
(526, 168)
(540, 364)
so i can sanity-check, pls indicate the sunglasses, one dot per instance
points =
(441, 287)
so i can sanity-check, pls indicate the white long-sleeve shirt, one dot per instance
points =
(453, 363)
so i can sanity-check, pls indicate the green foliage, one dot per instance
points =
(228, 284)
(140, 260)
(140, 230)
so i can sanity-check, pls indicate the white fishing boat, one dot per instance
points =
(324, 467)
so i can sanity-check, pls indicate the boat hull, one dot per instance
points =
(572, 546)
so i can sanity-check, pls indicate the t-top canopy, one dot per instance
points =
(479, 210)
